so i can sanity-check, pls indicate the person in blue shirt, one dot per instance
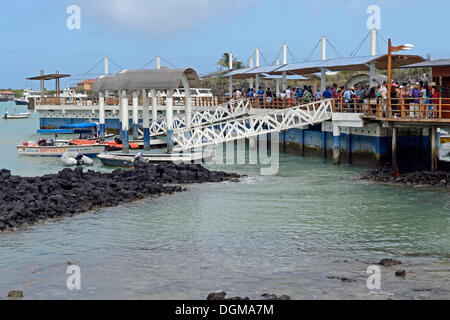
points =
(260, 94)
(327, 93)
(250, 93)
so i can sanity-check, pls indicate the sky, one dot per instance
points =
(195, 33)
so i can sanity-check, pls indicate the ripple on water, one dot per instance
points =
(284, 234)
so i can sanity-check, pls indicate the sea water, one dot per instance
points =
(292, 233)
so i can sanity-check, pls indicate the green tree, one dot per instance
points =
(224, 61)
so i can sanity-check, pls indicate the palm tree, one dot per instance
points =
(224, 61)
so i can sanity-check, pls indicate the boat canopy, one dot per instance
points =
(83, 125)
(147, 79)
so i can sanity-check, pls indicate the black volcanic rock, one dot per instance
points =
(25, 200)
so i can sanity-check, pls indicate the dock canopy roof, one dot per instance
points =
(349, 64)
(50, 76)
(104, 83)
(147, 79)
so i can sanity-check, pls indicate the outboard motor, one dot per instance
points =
(42, 142)
(79, 159)
(139, 160)
(50, 142)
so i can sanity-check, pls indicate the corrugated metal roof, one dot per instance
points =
(299, 68)
(238, 73)
(288, 77)
(265, 69)
(146, 79)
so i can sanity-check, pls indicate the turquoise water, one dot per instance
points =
(283, 234)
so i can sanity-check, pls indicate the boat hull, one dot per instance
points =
(57, 151)
(127, 160)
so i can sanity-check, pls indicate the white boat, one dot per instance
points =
(127, 160)
(58, 150)
(24, 115)
(446, 147)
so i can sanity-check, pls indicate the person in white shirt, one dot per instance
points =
(383, 91)
(289, 95)
(238, 94)
(318, 95)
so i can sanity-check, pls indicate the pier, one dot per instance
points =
(402, 131)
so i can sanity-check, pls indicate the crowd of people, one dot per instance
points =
(365, 98)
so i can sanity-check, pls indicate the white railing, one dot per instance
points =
(272, 121)
(230, 110)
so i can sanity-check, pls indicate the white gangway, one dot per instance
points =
(230, 110)
(251, 126)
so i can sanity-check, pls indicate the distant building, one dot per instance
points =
(86, 84)
(6, 95)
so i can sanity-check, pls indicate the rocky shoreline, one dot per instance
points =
(415, 178)
(25, 201)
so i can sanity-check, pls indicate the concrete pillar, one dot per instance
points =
(188, 107)
(250, 81)
(146, 119)
(135, 114)
(323, 76)
(230, 79)
(257, 65)
(106, 66)
(373, 52)
(284, 56)
(101, 115)
(394, 148)
(373, 42)
(154, 106)
(125, 123)
(434, 149)
(120, 112)
(169, 119)
(277, 81)
(158, 62)
(336, 145)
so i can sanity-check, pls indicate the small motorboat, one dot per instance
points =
(71, 158)
(24, 115)
(49, 148)
(110, 145)
(446, 147)
(128, 160)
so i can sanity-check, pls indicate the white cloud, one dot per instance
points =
(162, 17)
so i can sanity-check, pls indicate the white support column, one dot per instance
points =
(188, 106)
(154, 106)
(120, 111)
(106, 66)
(146, 119)
(230, 79)
(277, 81)
(323, 76)
(251, 66)
(257, 65)
(169, 120)
(336, 145)
(135, 114)
(125, 123)
(373, 52)
(284, 61)
(158, 62)
(101, 115)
